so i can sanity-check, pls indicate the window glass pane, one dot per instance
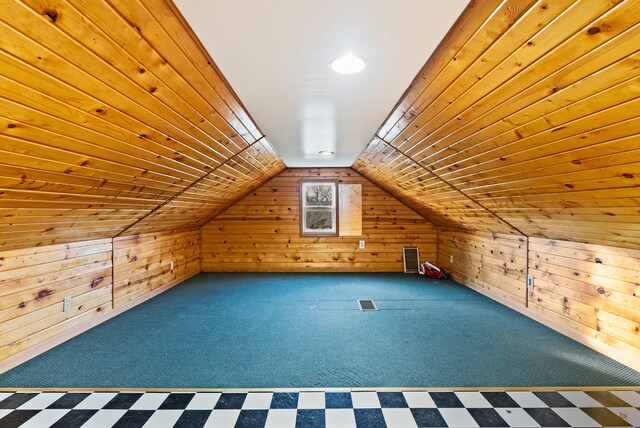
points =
(319, 195)
(319, 219)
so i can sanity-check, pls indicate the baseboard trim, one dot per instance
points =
(21, 357)
(611, 352)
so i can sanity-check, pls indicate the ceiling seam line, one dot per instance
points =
(409, 204)
(452, 186)
(244, 195)
(215, 69)
(181, 192)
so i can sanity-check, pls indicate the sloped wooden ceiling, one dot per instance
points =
(526, 120)
(114, 120)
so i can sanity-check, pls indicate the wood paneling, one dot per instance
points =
(526, 120)
(116, 123)
(525, 123)
(34, 283)
(261, 232)
(211, 194)
(588, 292)
(490, 262)
(112, 116)
(142, 263)
(593, 290)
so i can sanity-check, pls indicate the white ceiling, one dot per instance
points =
(276, 56)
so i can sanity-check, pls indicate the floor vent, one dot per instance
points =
(367, 305)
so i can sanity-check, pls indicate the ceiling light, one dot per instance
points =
(348, 64)
(326, 152)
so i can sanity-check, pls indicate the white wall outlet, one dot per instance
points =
(361, 245)
(171, 265)
(530, 282)
(450, 259)
(66, 306)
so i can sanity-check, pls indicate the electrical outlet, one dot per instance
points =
(361, 245)
(451, 259)
(171, 265)
(66, 306)
(530, 282)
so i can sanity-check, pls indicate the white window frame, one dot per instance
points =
(333, 208)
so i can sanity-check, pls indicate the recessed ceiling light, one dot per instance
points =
(326, 152)
(348, 64)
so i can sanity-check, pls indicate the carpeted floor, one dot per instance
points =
(305, 330)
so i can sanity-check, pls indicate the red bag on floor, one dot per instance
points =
(431, 271)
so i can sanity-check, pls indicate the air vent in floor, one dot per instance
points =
(367, 305)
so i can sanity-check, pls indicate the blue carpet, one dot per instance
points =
(304, 330)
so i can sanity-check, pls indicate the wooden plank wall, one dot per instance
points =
(588, 292)
(114, 120)
(262, 231)
(524, 121)
(593, 290)
(35, 281)
(523, 129)
(492, 262)
(142, 263)
(209, 196)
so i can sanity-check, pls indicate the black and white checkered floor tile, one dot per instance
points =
(321, 409)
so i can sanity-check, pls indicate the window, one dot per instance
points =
(319, 208)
